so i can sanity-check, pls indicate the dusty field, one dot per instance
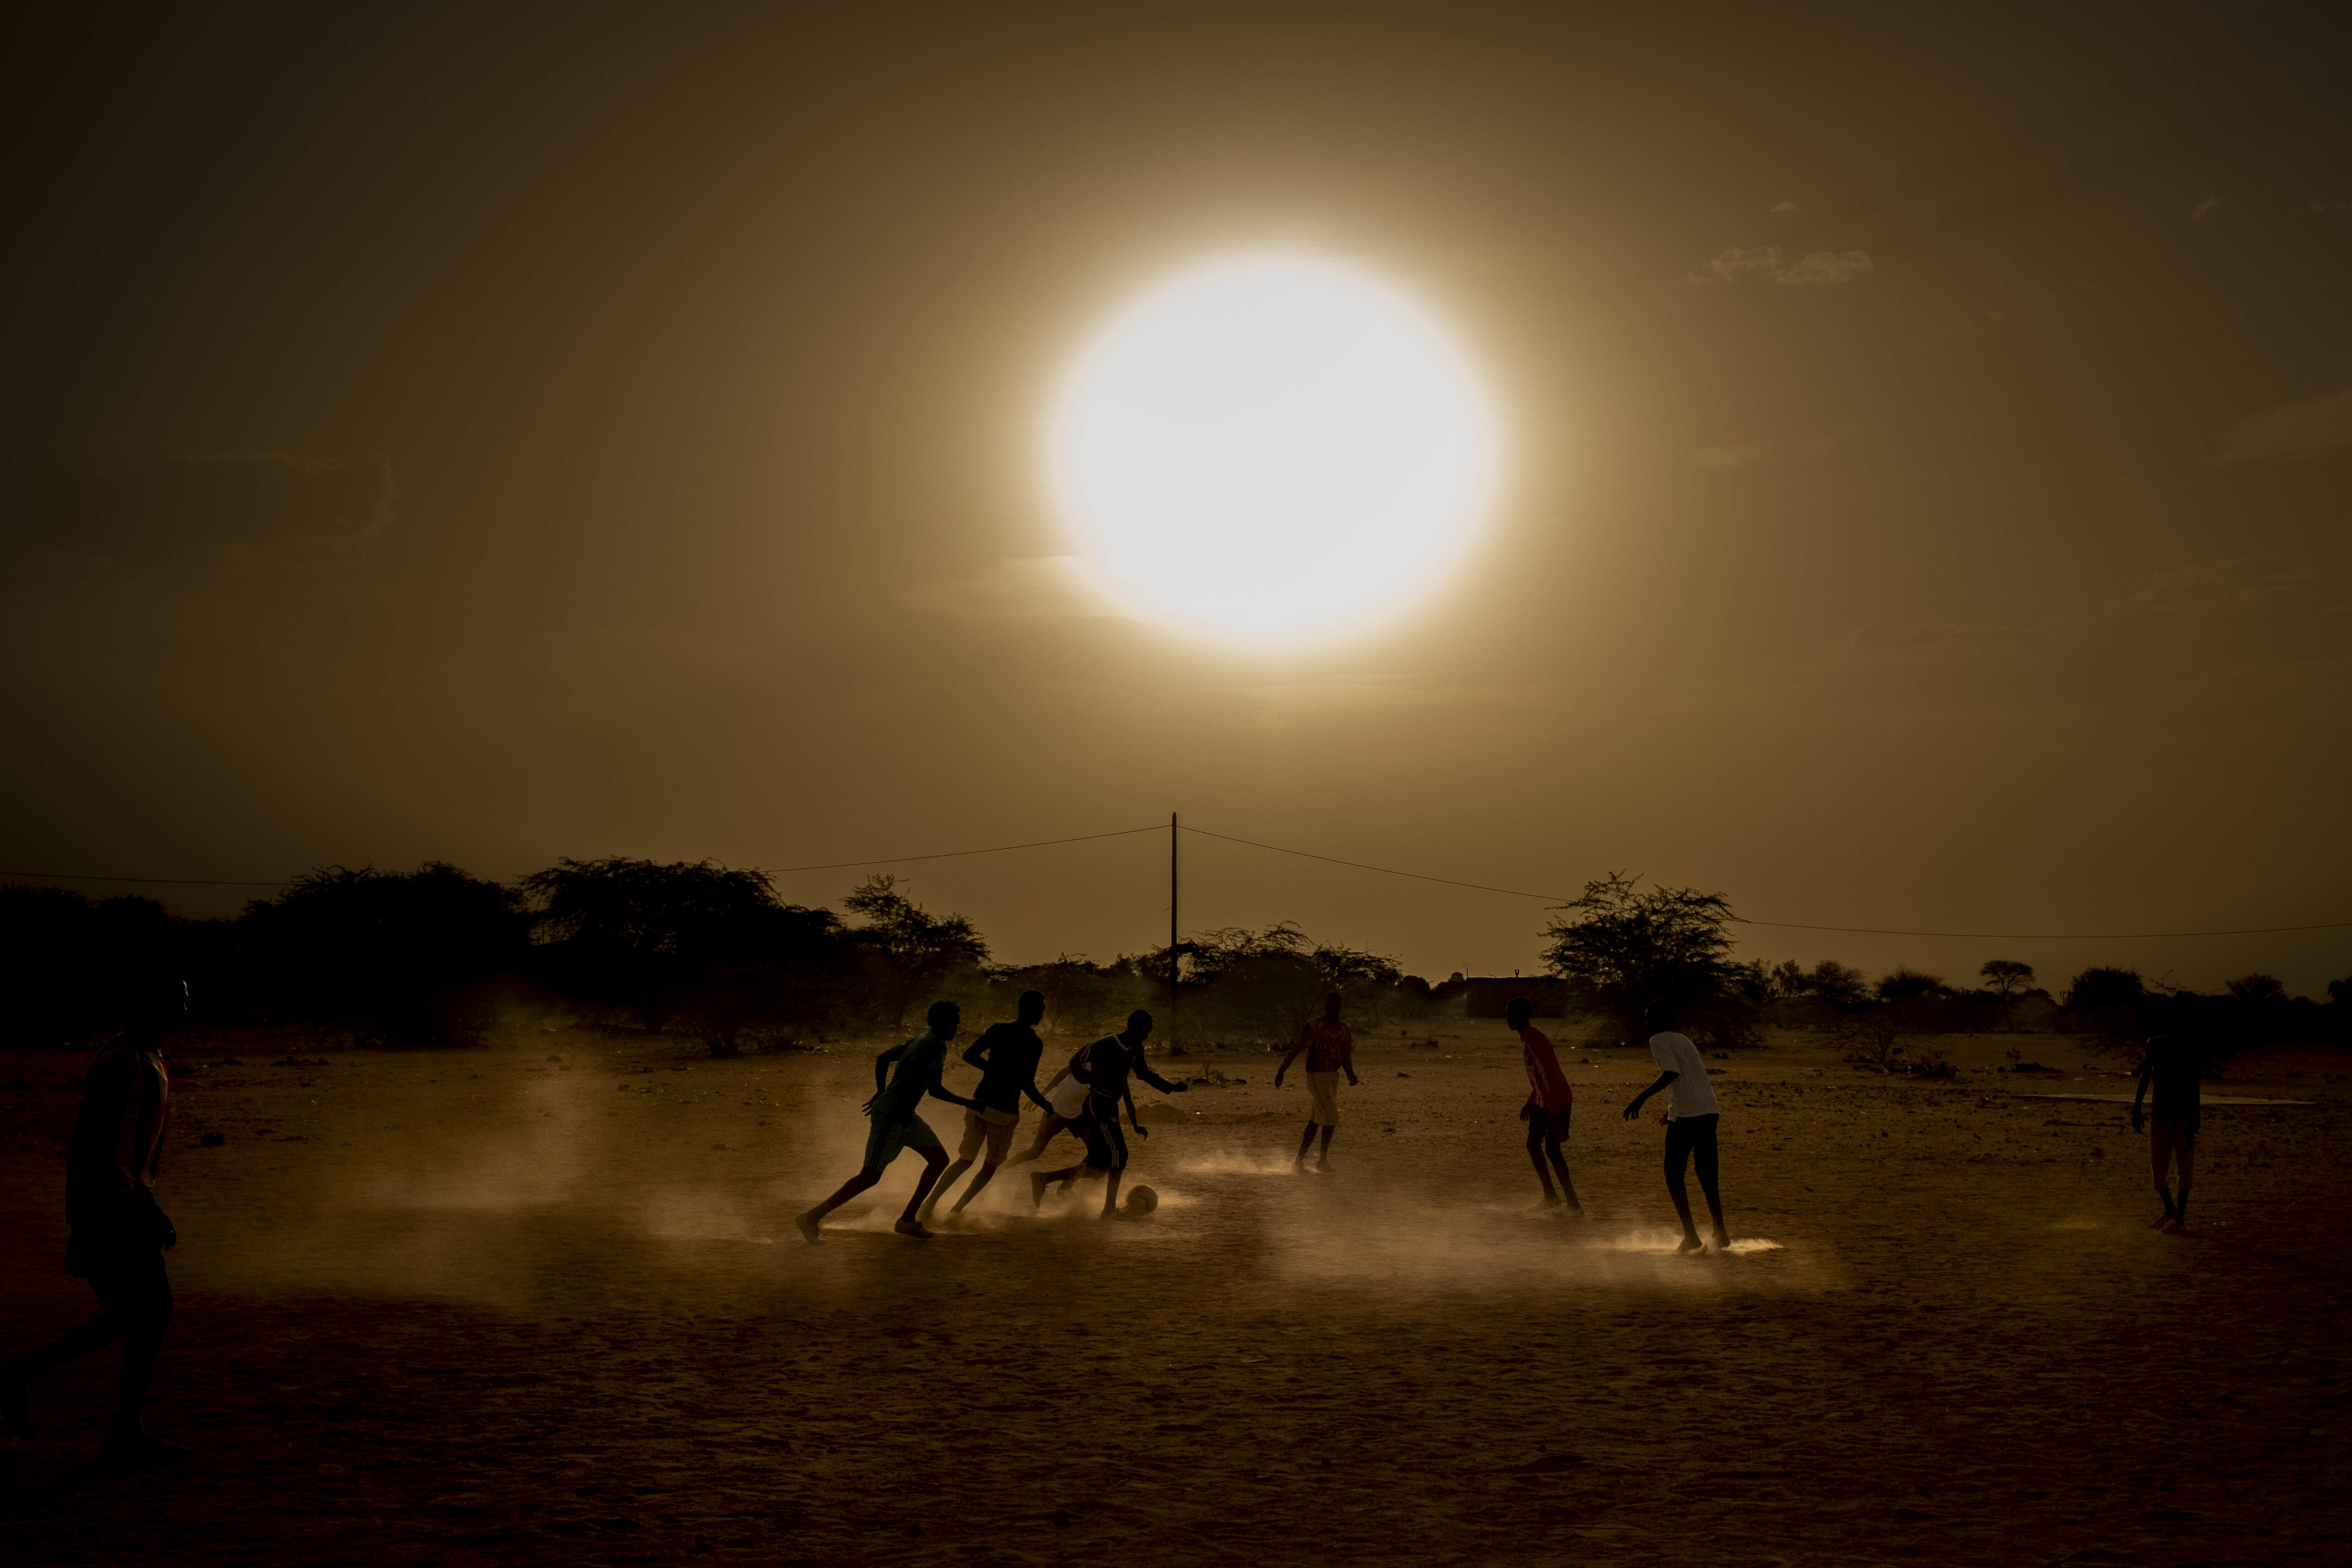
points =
(497, 1307)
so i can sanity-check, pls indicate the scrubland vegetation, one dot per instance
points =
(437, 956)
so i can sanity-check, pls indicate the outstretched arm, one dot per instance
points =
(1665, 1078)
(1143, 1071)
(1029, 1087)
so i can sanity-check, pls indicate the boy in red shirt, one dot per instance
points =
(1546, 1113)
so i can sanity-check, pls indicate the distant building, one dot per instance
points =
(1490, 999)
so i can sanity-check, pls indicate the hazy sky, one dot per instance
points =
(498, 433)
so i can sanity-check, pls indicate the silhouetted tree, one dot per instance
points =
(2006, 978)
(385, 956)
(1621, 948)
(653, 938)
(912, 950)
(64, 958)
(1838, 985)
(2107, 1002)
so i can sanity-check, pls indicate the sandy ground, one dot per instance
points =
(544, 1303)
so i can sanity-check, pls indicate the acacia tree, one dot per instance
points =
(1621, 949)
(913, 950)
(2005, 978)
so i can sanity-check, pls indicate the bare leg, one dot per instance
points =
(1536, 1155)
(1703, 1159)
(945, 1182)
(1323, 1161)
(935, 1160)
(1040, 1180)
(1110, 1193)
(809, 1222)
(1305, 1142)
(1677, 1156)
(2161, 1136)
(1053, 1123)
(987, 1174)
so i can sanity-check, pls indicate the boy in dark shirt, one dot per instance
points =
(1006, 1055)
(894, 1126)
(2179, 1080)
(1104, 1069)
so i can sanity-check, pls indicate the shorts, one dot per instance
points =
(1546, 1123)
(1106, 1141)
(883, 1144)
(991, 1127)
(1323, 1090)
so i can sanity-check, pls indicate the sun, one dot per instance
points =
(1272, 449)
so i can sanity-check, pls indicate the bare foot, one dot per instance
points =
(1723, 1242)
(1691, 1243)
(1323, 1167)
(1036, 1190)
(2175, 1228)
(807, 1226)
(1550, 1200)
(913, 1228)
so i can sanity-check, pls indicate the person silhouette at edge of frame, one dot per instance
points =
(897, 1126)
(1691, 1112)
(2178, 1114)
(1330, 1051)
(1006, 1055)
(1550, 1102)
(1104, 1069)
(119, 1234)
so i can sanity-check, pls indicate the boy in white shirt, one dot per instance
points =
(1691, 1114)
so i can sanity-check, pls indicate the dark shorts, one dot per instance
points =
(1552, 1124)
(1690, 1140)
(1106, 1141)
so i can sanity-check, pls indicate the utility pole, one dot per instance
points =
(1171, 928)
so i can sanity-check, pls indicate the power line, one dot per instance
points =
(1794, 925)
(957, 854)
(1385, 871)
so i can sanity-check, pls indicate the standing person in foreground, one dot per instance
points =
(2179, 1112)
(119, 1236)
(1006, 1055)
(1690, 1122)
(1330, 1051)
(1549, 1100)
(895, 1125)
(1104, 1069)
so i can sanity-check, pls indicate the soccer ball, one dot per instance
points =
(1141, 1201)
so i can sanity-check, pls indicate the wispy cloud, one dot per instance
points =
(1826, 269)
(2298, 430)
(1778, 207)
(1815, 269)
(2209, 205)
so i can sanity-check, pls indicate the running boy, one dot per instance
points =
(895, 1125)
(1691, 1116)
(1549, 1100)
(1006, 1055)
(2179, 1078)
(1330, 1051)
(1104, 1069)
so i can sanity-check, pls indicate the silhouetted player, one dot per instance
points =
(2179, 1110)
(1006, 1055)
(1690, 1122)
(1104, 1069)
(1330, 1051)
(1066, 1095)
(1549, 1100)
(119, 1236)
(896, 1125)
